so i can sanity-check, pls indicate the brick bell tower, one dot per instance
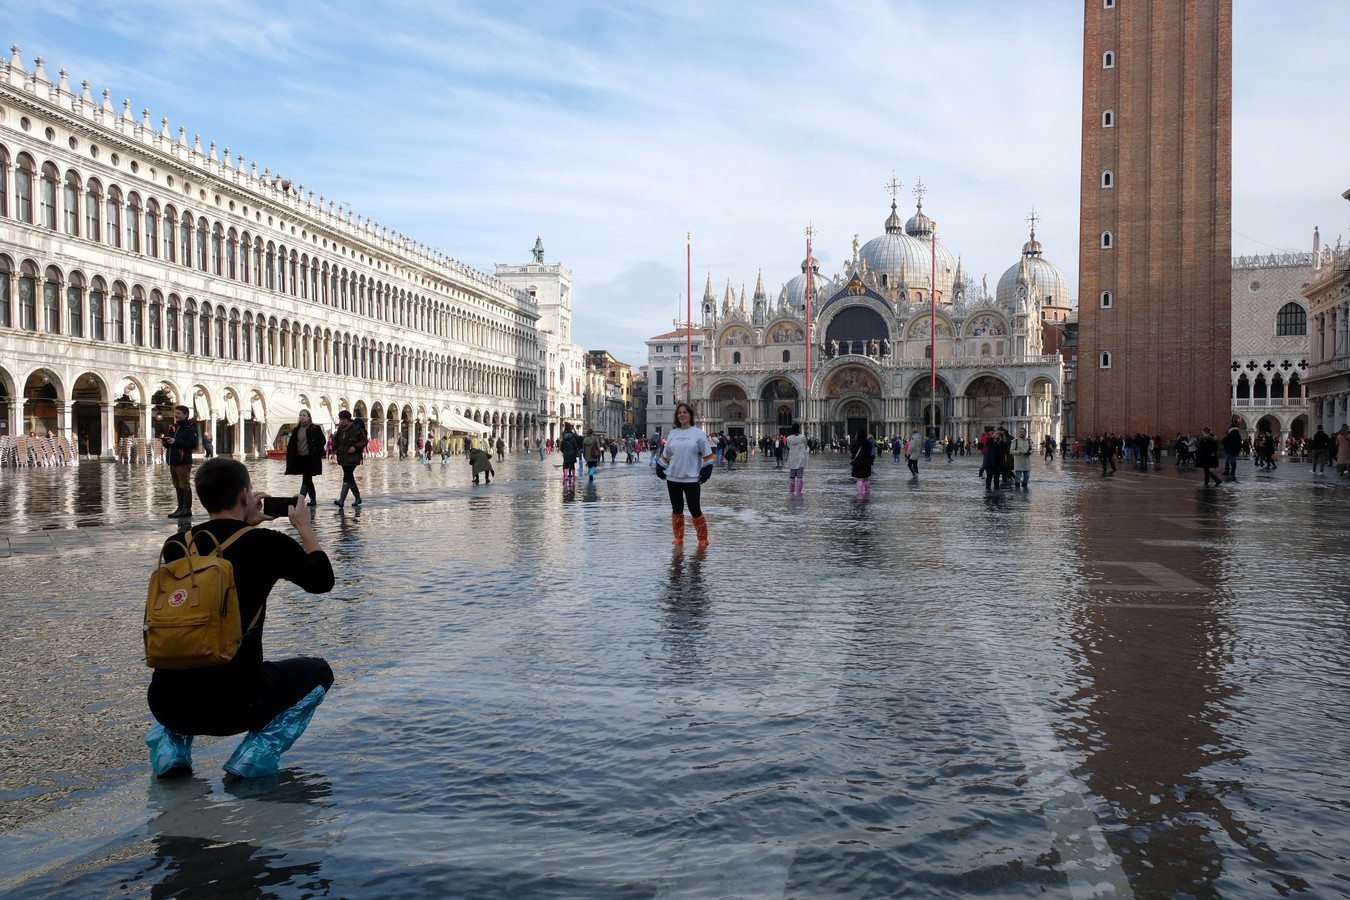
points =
(1156, 216)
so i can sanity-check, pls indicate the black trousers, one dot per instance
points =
(349, 480)
(682, 492)
(282, 684)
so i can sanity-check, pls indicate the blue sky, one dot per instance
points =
(612, 129)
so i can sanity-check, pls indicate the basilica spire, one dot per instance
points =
(708, 296)
(759, 287)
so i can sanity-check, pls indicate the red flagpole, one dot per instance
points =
(689, 316)
(932, 318)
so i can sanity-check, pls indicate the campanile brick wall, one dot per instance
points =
(1168, 209)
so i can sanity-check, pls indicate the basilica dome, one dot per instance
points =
(794, 292)
(1046, 284)
(903, 256)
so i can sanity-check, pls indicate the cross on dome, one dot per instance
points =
(919, 191)
(894, 185)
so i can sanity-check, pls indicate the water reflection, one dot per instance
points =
(1152, 700)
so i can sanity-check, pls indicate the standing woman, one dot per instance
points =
(796, 461)
(863, 451)
(304, 454)
(570, 448)
(685, 463)
(349, 445)
(592, 449)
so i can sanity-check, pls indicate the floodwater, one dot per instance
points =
(1099, 687)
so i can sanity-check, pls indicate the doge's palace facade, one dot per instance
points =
(139, 271)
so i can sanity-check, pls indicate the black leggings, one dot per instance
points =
(283, 684)
(680, 492)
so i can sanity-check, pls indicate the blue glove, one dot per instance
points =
(705, 473)
(661, 471)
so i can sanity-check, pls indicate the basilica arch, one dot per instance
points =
(779, 406)
(851, 399)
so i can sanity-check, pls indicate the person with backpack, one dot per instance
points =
(270, 700)
(179, 442)
(593, 449)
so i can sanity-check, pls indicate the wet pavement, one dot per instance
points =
(1100, 687)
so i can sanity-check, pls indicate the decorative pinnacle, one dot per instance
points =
(919, 191)
(894, 186)
(810, 231)
(1032, 220)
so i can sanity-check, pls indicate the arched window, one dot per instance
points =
(47, 197)
(75, 304)
(24, 176)
(1106, 240)
(190, 327)
(70, 203)
(152, 228)
(114, 217)
(1105, 361)
(137, 317)
(204, 330)
(231, 246)
(155, 319)
(1291, 319)
(736, 357)
(246, 337)
(185, 239)
(117, 325)
(787, 356)
(51, 299)
(217, 250)
(134, 222)
(4, 182)
(171, 323)
(233, 335)
(202, 229)
(1108, 180)
(93, 196)
(1106, 299)
(170, 223)
(97, 293)
(257, 261)
(293, 277)
(271, 266)
(304, 276)
(28, 297)
(1108, 119)
(1108, 60)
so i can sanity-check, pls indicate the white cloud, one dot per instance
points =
(613, 128)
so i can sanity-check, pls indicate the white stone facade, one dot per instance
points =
(1328, 296)
(1270, 344)
(139, 271)
(871, 337)
(562, 367)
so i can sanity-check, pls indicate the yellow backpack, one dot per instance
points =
(192, 608)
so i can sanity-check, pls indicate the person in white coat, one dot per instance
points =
(796, 445)
(1021, 453)
(912, 452)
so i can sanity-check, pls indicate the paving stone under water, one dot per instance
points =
(1124, 686)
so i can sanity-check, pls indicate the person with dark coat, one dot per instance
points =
(1321, 442)
(179, 442)
(571, 448)
(482, 464)
(304, 454)
(1207, 456)
(349, 446)
(992, 461)
(1232, 444)
(864, 451)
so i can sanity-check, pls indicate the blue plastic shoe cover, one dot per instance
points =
(169, 750)
(259, 753)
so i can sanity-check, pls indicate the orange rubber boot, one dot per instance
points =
(677, 528)
(701, 526)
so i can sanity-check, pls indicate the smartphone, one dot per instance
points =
(278, 506)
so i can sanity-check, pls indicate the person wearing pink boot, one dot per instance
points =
(796, 446)
(864, 450)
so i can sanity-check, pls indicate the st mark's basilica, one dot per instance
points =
(872, 339)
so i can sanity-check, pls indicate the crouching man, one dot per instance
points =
(270, 700)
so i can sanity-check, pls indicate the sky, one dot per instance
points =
(615, 129)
